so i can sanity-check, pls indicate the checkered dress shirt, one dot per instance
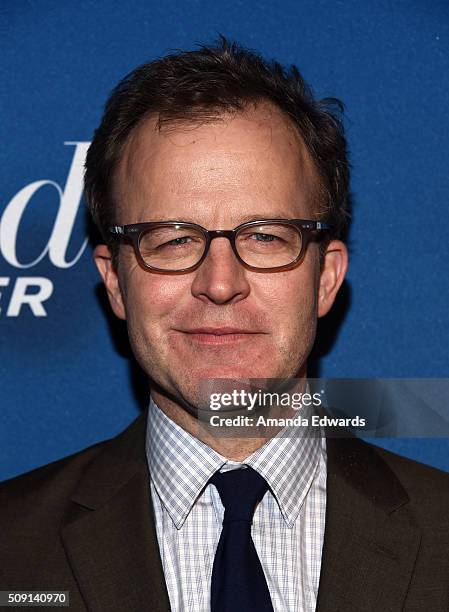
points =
(288, 525)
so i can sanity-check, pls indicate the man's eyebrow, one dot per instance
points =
(241, 220)
(262, 217)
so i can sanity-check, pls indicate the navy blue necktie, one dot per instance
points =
(238, 581)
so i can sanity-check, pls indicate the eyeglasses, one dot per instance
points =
(172, 247)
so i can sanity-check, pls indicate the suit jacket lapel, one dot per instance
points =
(370, 543)
(109, 531)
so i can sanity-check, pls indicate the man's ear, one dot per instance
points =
(103, 261)
(333, 272)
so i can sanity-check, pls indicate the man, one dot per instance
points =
(221, 188)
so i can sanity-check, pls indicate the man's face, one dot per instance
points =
(221, 320)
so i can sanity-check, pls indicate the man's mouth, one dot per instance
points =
(219, 335)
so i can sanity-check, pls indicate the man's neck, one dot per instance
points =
(236, 448)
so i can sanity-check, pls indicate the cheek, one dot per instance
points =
(151, 299)
(289, 298)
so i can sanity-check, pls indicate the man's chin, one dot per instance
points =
(198, 396)
(252, 368)
(224, 372)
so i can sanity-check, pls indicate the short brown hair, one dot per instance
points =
(199, 85)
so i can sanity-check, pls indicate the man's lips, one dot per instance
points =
(219, 335)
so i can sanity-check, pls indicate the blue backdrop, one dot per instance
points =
(66, 381)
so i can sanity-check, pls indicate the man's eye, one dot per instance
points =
(176, 242)
(263, 237)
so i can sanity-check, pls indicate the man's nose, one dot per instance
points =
(221, 278)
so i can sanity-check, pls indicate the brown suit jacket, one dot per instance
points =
(85, 525)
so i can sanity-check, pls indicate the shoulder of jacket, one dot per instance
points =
(426, 486)
(46, 485)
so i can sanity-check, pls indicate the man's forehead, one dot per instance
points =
(261, 125)
(214, 152)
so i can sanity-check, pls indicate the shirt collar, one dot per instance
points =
(288, 462)
(180, 466)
